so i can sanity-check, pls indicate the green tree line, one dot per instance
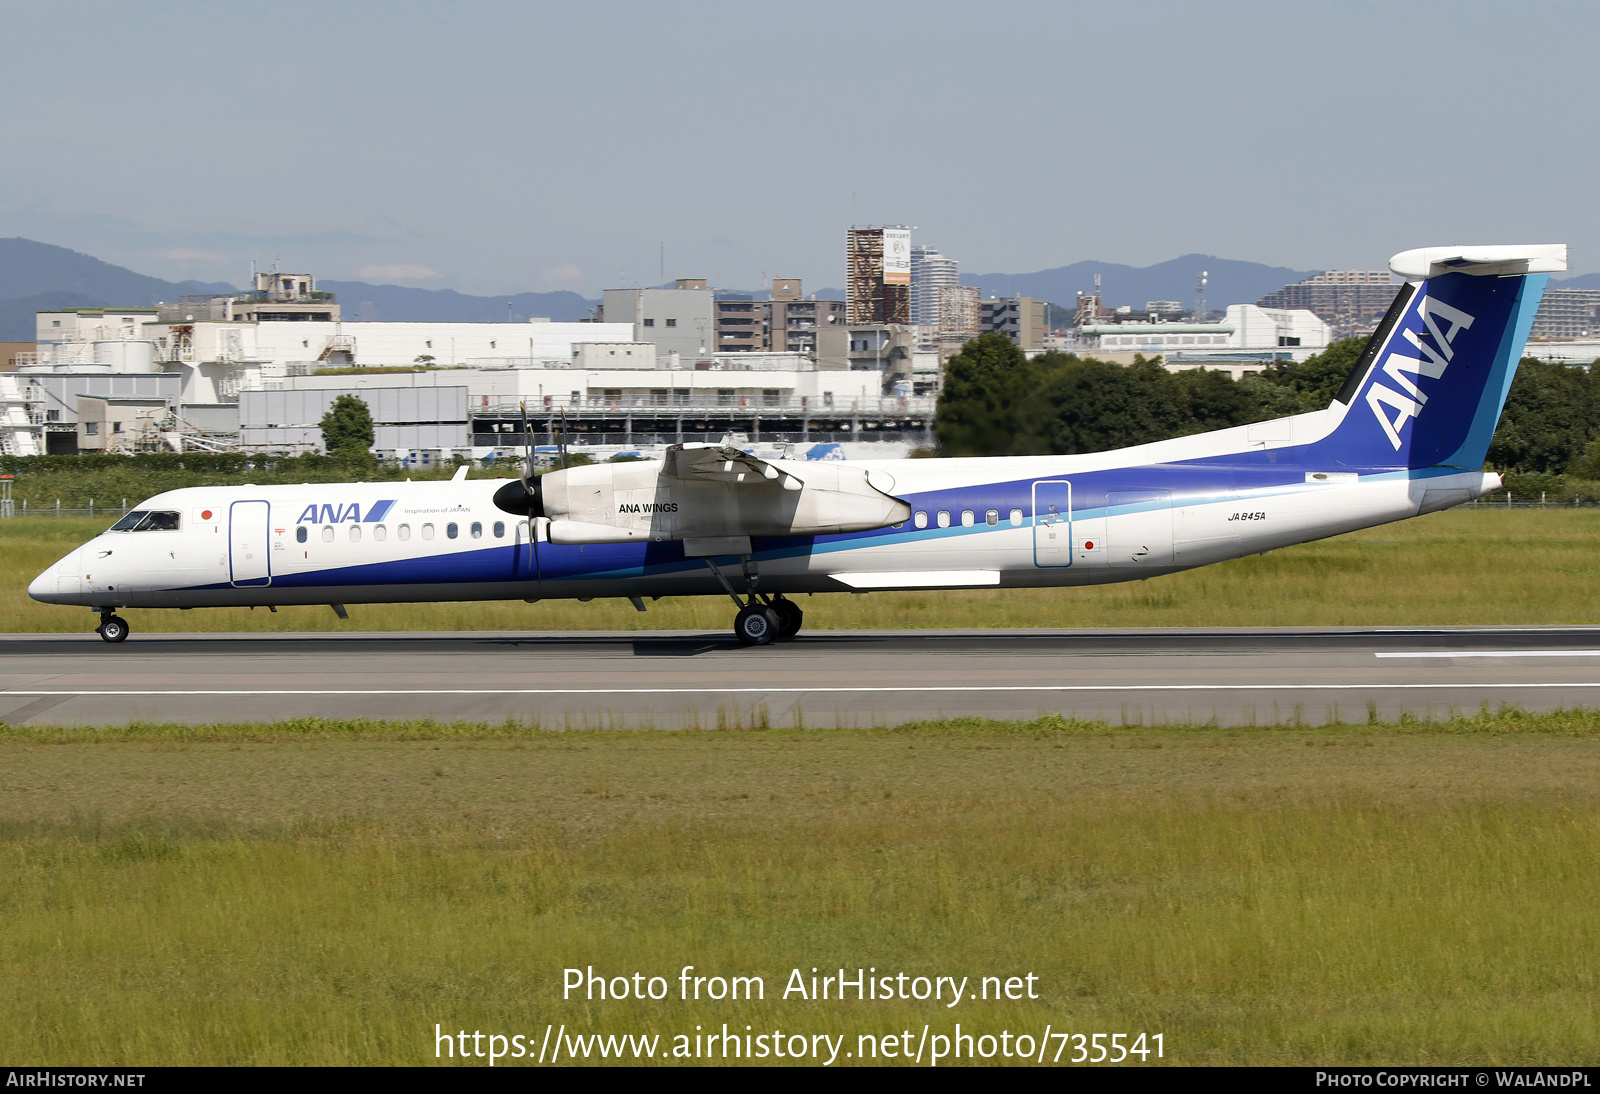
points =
(998, 402)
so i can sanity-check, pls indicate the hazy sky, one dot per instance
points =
(496, 147)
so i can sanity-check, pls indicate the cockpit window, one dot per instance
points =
(143, 520)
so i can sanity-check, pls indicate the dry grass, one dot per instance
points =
(1375, 894)
(1463, 567)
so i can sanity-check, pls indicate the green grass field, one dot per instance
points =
(1462, 567)
(324, 894)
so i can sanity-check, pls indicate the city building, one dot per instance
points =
(218, 357)
(960, 318)
(766, 397)
(784, 323)
(680, 320)
(1245, 330)
(218, 372)
(1567, 313)
(15, 353)
(878, 275)
(1351, 302)
(1019, 318)
(930, 270)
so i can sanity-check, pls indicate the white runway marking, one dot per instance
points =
(1495, 653)
(803, 690)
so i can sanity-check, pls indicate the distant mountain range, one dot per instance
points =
(37, 276)
(393, 303)
(1228, 282)
(28, 268)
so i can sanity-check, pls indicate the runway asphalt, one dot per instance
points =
(1254, 676)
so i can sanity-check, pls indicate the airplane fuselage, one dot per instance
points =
(1038, 522)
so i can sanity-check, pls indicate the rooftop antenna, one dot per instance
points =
(1200, 296)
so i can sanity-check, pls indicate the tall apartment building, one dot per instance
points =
(1349, 301)
(960, 318)
(878, 272)
(1568, 313)
(783, 323)
(930, 270)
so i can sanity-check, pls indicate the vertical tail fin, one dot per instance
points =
(1433, 379)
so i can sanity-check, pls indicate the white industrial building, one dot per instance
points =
(220, 358)
(263, 367)
(1245, 329)
(455, 410)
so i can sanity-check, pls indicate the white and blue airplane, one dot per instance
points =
(1406, 435)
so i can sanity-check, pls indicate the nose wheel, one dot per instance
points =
(112, 628)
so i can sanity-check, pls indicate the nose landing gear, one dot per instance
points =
(112, 628)
(761, 619)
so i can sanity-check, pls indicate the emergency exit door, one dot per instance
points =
(1052, 523)
(249, 526)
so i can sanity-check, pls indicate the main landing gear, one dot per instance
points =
(112, 628)
(761, 619)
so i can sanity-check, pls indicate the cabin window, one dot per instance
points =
(1016, 518)
(992, 518)
(967, 519)
(380, 533)
(300, 534)
(477, 530)
(451, 530)
(499, 529)
(327, 533)
(404, 531)
(427, 531)
(355, 533)
(920, 520)
(944, 518)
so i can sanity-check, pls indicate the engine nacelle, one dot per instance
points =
(620, 503)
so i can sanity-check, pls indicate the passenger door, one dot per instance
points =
(1052, 523)
(249, 530)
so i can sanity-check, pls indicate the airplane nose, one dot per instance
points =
(43, 587)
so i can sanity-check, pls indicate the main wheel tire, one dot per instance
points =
(789, 616)
(113, 628)
(756, 625)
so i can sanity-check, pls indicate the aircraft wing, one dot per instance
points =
(717, 463)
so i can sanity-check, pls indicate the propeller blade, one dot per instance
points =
(527, 445)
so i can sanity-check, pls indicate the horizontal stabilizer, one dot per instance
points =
(1493, 261)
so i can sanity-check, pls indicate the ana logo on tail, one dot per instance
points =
(1434, 360)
